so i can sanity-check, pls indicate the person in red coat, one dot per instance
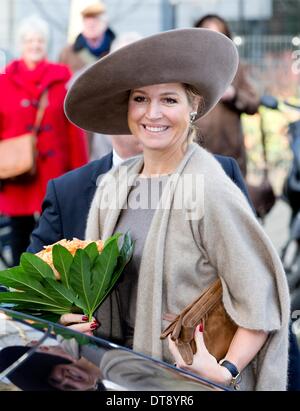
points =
(61, 146)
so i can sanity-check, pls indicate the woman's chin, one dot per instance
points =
(155, 143)
(155, 147)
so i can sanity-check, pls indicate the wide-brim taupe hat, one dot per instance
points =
(98, 99)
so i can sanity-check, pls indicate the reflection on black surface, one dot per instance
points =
(73, 361)
(138, 373)
(50, 369)
(81, 375)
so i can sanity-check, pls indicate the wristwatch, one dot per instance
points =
(236, 376)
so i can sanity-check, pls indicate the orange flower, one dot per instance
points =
(71, 246)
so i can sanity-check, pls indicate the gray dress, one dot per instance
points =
(136, 217)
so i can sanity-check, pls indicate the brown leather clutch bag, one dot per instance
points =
(219, 328)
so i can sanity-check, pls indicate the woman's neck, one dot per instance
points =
(160, 163)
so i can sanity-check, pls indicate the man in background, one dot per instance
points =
(93, 42)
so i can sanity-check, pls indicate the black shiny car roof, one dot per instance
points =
(26, 341)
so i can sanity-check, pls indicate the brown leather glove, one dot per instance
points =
(219, 328)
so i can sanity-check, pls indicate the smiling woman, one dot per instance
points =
(160, 117)
(181, 246)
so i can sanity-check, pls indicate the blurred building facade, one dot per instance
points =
(266, 32)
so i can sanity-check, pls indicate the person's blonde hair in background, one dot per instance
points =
(123, 146)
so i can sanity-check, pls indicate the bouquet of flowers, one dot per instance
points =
(66, 277)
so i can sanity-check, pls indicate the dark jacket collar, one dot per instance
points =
(102, 166)
(81, 43)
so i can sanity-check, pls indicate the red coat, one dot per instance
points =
(61, 146)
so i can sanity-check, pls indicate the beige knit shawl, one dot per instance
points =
(182, 256)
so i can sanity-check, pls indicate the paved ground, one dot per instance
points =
(276, 224)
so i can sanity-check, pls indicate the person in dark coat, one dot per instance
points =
(61, 146)
(221, 130)
(93, 42)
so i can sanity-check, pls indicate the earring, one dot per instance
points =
(193, 115)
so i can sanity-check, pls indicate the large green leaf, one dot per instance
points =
(127, 248)
(80, 278)
(103, 270)
(41, 310)
(62, 261)
(47, 289)
(35, 266)
(9, 278)
(124, 257)
(112, 239)
(23, 281)
(48, 316)
(28, 298)
(65, 294)
(92, 252)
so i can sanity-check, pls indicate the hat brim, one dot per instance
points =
(98, 99)
(33, 374)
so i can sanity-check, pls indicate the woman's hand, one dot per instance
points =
(78, 322)
(204, 364)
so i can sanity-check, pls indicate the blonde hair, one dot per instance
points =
(192, 93)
